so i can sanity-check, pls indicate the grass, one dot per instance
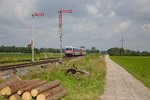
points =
(2, 98)
(79, 87)
(138, 66)
(18, 58)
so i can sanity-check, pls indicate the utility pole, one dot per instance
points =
(121, 52)
(33, 28)
(122, 40)
(60, 13)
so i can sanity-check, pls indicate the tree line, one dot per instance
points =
(126, 52)
(27, 49)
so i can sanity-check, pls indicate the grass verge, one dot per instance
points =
(138, 66)
(79, 87)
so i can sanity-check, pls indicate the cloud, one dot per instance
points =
(112, 14)
(85, 26)
(99, 23)
(91, 9)
(123, 26)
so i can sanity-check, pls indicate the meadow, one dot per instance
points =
(138, 66)
(78, 86)
(17, 58)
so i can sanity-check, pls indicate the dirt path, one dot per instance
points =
(120, 85)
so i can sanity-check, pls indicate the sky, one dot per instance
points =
(93, 23)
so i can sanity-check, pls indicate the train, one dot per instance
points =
(73, 51)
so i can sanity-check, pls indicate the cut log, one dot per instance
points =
(10, 81)
(58, 95)
(42, 88)
(49, 93)
(23, 84)
(15, 97)
(27, 84)
(41, 97)
(26, 96)
(9, 90)
(4, 91)
(30, 87)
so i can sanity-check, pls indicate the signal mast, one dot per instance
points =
(60, 13)
(32, 42)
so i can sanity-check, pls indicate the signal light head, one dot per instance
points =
(42, 14)
(70, 11)
(60, 16)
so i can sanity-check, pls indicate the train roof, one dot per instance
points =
(69, 46)
(74, 47)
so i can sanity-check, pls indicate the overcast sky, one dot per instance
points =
(98, 23)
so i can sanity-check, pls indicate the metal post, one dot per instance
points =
(33, 40)
(122, 42)
(60, 33)
(60, 29)
(61, 45)
(122, 52)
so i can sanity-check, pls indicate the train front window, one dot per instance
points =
(68, 48)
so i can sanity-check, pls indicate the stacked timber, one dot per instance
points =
(16, 89)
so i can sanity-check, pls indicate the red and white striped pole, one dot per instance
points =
(34, 14)
(60, 28)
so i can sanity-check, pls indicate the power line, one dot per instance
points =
(122, 42)
(122, 46)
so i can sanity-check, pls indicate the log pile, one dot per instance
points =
(16, 89)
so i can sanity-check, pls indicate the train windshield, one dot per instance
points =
(68, 48)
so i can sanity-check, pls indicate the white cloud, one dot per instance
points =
(112, 14)
(92, 9)
(145, 29)
(123, 26)
(85, 26)
(15, 8)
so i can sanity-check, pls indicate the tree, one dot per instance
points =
(115, 51)
(29, 45)
(93, 49)
(82, 46)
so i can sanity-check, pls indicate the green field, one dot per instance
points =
(78, 86)
(138, 66)
(17, 58)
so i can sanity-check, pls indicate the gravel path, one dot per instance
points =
(120, 85)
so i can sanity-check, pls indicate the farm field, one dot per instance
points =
(78, 86)
(138, 66)
(18, 58)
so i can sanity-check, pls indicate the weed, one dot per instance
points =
(79, 87)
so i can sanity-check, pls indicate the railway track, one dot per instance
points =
(53, 60)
